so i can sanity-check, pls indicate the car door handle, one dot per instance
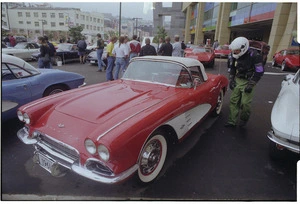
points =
(24, 86)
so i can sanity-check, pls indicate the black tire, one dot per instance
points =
(274, 63)
(283, 66)
(218, 108)
(152, 157)
(54, 89)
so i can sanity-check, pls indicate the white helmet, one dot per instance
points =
(240, 43)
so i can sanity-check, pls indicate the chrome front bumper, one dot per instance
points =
(283, 142)
(72, 162)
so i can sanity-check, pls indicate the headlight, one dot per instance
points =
(26, 118)
(20, 116)
(90, 146)
(103, 152)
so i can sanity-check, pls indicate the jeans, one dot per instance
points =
(132, 55)
(42, 65)
(109, 69)
(99, 57)
(120, 64)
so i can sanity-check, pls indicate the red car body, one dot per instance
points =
(205, 55)
(288, 59)
(108, 131)
(222, 51)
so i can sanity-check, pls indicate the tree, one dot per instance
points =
(75, 33)
(161, 33)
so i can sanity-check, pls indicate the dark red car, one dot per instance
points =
(288, 59)
(222, 51)
(205, 55)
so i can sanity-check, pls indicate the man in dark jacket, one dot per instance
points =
(246, 69)
(52, 50)
(166, 49)
(148, 49)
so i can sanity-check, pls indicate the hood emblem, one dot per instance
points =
(60, 125)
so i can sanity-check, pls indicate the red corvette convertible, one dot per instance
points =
(108, 131)
(222, 51)
(288, 59)
(205, 55)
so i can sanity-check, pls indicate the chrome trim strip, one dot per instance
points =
(82, 85)
(274, 139)
(108, 180)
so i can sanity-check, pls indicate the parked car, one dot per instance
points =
(222, 51)
(285, 118)
(92, 57)
(23, 50)
(22, 83)
(108, 131)
(205, 55)
(288, 59)
(65, 52)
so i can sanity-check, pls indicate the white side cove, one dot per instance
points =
(184, 122)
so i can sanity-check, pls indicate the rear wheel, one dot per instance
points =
(219, 105)
(54, 89)
(152, 157)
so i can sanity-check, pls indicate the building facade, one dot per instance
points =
(54, 22)
(274, 23)
(169, 15)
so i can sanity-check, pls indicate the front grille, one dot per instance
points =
(60, 151)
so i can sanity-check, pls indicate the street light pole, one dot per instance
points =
(42, 26)
(136, 23)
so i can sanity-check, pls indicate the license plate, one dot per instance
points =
(92, 61)
(45, 162)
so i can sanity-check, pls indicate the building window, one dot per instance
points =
(61, 23)
(167, 4)
(44, 15)
(36, 14)
(36, 24)
(20, 14)
(27, 14)
(167, 22)
(21, 22)
(52, 15)
(53, 24)
(60, 15)
(28, 22)
(22, 30)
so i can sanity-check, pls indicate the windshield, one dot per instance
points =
(201, 50)
(166, 73)
(20, 45)
(64, 47)
(293, 52)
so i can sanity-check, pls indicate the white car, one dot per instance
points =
(23, 50)
(285, 118)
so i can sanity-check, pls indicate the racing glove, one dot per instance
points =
(250, 86)
(232, 82)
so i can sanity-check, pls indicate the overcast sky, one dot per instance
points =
(129, 9)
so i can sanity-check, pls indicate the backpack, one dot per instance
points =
(261, 47)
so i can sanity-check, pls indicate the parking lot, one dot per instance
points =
(215, 164)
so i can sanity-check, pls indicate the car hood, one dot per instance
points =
(112, 102)
(285, 112)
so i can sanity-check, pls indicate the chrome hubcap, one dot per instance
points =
(150, 157)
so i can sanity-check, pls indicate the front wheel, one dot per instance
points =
(274, 63)
(283, 66)
(152, 158)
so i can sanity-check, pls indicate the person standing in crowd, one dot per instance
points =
(148, 49)
(216, 44)
(52, 50)
(246, 70)
(100, 48)
(69, 40)
(135, 47)
(121, 52)
(6, 41)
(176, 47)
(127, 43)
(44, 57)
(12, 41)
(81, 44)
(166, 49)
(160, 42)
(110, 59)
